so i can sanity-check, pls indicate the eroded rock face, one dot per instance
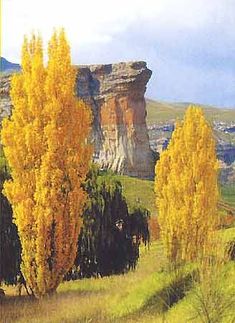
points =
(5, 102)
(115, 92)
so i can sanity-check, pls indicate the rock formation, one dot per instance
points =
(5, 102)
(115, 93)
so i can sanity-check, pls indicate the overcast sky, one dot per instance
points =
(188, 44)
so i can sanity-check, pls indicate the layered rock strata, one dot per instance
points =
(5, 102)
(115, 93)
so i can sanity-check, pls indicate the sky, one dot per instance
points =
(188, 44)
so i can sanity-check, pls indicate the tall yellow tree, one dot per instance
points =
(186, 187)
(45, 143)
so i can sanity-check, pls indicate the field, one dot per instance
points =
(228, 194)
(164, 111)
(150, 294)
(143, 194)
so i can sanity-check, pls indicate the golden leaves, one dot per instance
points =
(186, 187)
(45, 142)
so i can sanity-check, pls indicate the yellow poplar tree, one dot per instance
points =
(45, 143)
(186, 187)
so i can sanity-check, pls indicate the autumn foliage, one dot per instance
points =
(45, 143)
(186, 187)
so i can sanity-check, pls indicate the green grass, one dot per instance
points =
(227, 235)
(228, 194)
(139, 296)
(142, 191)
(221, 295)
(138, 192)
(110, 299)
(151, 294)
(96, 300)
(165, 111)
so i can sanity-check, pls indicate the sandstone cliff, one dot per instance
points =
(115, 93)
(5, 102)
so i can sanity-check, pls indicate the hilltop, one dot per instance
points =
(159, 111)
(161, 117)
(7, 66)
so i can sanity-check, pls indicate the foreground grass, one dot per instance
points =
(218, 298)
(141, 296)
(110, 299)
(150, 294)
(84, 300)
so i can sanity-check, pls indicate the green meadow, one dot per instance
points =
(154, 292)
(159, 111)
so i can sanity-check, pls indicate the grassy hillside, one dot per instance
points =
(163, 111)
(87, 300)
(150, 294)
(139, 191)
(228, 194)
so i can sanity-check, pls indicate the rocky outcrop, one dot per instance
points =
(115, 93)
(5, 102)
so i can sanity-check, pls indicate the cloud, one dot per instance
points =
(91, 22)
(190, 45)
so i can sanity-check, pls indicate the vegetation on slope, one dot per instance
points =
(228, 194)
(164, 111)
(150, 294)
(137, 192)
(143, 193)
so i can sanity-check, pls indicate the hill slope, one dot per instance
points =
(158, 111)
(162, 115)
(6, 66)
(141, 192)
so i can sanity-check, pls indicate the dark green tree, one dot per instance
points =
(110, 236)
(10, 249)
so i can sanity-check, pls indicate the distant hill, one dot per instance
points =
(162, 115)
(158, 111)
(6, 66)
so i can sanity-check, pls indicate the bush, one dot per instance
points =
(10, 248)
(110, 236)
